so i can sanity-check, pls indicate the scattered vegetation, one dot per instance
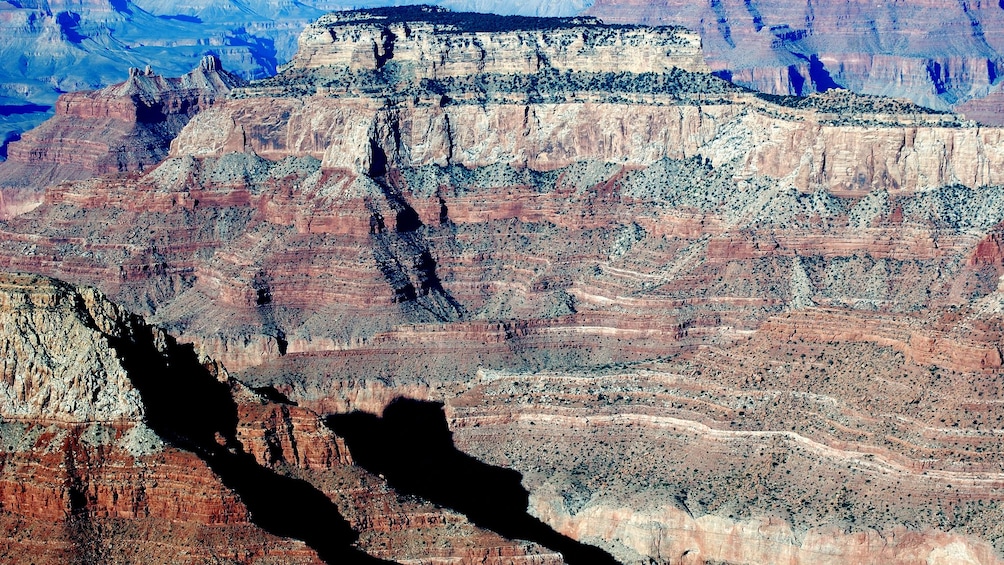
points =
(468, 22)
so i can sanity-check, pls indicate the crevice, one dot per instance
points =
(405, 259)
(266, 311)
(412, 447)
(820, 76)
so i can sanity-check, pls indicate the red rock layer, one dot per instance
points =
(123, 127)
(72, 493)
(988, 110)
(117, 445)
(599, 263)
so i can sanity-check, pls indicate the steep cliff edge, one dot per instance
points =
(366, 93)
(85, 477)
(119, 446)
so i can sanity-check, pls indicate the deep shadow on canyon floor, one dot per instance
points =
(412, 447)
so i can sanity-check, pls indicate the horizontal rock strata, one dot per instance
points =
(102, 464)
(123, 127)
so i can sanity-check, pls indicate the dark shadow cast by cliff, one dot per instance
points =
(412, 447)
(188, 407)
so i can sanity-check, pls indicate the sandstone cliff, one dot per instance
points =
(436, 43)
(366, 94)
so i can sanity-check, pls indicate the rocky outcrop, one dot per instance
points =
(124, 127)
(436, 43)
(85, 477)
(119, 446)
(86, 383)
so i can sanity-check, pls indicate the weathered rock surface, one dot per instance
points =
(762, 453)
(439, 44)
(702, 324)
(125, 127)
(114, 454)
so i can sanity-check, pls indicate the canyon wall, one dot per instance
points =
(804, 147)
(490, 44)
(935, 53)
(121, 446)
(125, 127)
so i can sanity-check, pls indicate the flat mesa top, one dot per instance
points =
(469, 22)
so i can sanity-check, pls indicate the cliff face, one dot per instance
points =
(119, 446)
(124, 127)
(452, 45)
(85, 477)
(604, 275)
(936, 53)
(914, 152)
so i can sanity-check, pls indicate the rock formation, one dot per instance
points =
(125, 127)
(604, 267)
(936, 53)
(57, 46)
(119, 446)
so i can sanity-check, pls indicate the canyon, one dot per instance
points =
(672, 319)
(940, 54)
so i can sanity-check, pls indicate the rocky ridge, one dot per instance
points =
(124, 127)
(119, 446)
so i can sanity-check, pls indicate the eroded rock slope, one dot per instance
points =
(120, 446)
(125, 127)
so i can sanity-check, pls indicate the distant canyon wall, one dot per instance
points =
(937, 53)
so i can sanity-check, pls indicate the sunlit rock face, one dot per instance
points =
(703, 324)
(124, 127)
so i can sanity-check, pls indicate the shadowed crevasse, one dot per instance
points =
(192, 410)
(412, 447)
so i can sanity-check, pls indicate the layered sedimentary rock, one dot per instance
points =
(120, 446)
(85, 478)
(124, 127)
(936, 53)
(54, 47)
(646, 266)
(480, 43)
(757, 454)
